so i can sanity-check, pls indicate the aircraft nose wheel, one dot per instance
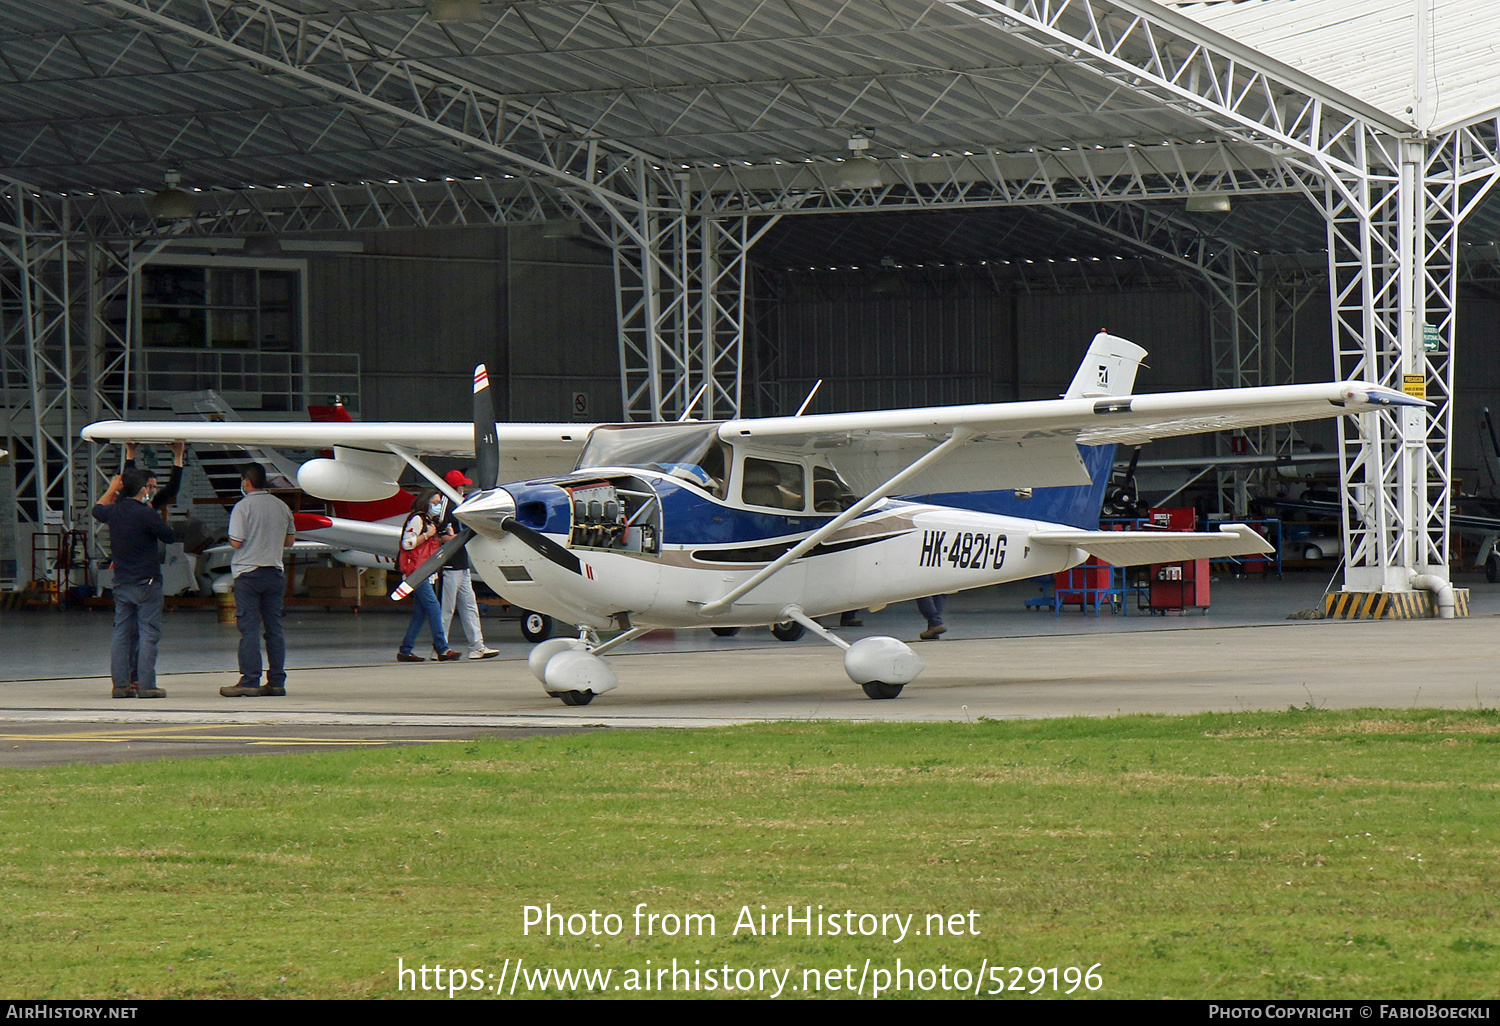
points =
(535, 626)
(880, 689)
(580, 697)
(725, 632)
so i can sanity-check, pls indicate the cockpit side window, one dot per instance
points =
(773, 484)
(716, 465)
(830, 493)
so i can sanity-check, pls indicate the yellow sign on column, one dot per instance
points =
(1414, 385)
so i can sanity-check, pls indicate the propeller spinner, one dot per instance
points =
(486, 476)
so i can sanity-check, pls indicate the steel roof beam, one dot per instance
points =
(1041, 177)
(369, 206)
(1233, 90)
(341, 61)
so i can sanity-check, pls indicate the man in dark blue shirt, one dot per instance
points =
(135, 534)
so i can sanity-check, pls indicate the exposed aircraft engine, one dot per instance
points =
(352, 475)
(622, 514)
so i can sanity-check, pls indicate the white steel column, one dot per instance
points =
(680, 300)
(1393, 266)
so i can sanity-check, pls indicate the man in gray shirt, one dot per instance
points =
(260, 528)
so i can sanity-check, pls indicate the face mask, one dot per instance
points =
(435, 510)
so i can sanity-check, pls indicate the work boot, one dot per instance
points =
(272, 691)
(241, 690)
(933, 631)
(150, 693)
(129, 692)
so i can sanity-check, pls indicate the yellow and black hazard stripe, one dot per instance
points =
(1390, 605)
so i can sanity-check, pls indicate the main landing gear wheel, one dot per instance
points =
(789, 631)
(728, 632)
(880, 689)
(580, 697)
(536, 627)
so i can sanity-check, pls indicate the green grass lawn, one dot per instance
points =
(1301, 854)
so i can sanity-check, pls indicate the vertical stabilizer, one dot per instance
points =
(1108, 369)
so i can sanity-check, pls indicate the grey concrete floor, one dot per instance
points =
(998, 660)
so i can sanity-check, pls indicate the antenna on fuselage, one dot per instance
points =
(809, 398)
(687, 413)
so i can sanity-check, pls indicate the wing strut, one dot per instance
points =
(960, 436)
(422, 468)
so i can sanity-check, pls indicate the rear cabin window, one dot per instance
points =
(773, 484)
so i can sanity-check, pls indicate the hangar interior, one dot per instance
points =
(614, 203)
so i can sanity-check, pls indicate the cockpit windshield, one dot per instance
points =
(691, 451)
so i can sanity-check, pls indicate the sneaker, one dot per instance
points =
(241, 691)
(482, 653)
(272, 691)
(933, 632)
(129, 692)
(150, 693)
(409, 657)
(449, 656)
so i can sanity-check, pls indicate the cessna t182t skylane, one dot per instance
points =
(741, 523)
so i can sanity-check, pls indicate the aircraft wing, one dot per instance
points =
(1134, 548)
(526, 450)
(1032, 444)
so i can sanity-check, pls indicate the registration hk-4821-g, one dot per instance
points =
(963, 550)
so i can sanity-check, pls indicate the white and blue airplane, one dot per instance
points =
(728, 524)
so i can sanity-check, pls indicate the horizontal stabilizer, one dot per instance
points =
(1134, 548)
(381, 539)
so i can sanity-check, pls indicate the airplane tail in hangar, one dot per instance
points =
(1108, 369)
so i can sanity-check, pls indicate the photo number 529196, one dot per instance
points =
(965, 550)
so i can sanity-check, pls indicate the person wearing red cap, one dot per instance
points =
(458, 583)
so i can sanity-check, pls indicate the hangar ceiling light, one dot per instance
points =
(171, 203)
(1208, 204)
(860, 171)
(446, 12)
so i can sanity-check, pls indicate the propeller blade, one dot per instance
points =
(543, 545)
(486, 446)
(435, 562)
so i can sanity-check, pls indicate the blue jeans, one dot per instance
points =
(258, 609)
(137, 633)
(932, 608)
(425, 609)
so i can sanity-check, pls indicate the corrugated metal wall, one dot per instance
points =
(972, 345)
(562, 323)
(423, 307)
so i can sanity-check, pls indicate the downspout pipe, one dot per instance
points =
(1441, 590)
